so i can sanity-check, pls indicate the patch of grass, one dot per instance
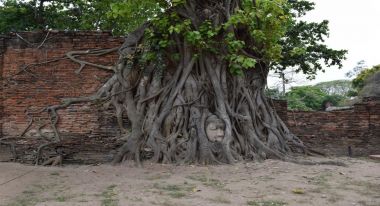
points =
(54, 173)
(266, 203)
(220, 200)
(214, 183)
(177, 194)
(109, 196)
(31, 196)
(61, 199)
(334, 198)
(159, 176)
(134, 199)
(321, 180)
(175, 191)
(168, 203)
(365, 188)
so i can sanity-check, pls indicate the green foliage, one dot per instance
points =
(305, 98)
(302, 45)
(309, 98)
(360, 80)
(274, 93)
(18, 15)
(360, 66)
(336, 87)
(13, 15)
(263, 30)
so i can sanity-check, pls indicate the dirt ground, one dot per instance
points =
(270, 183)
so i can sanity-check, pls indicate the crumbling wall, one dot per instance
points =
(36, 73)
(333, 132)
(89, 131)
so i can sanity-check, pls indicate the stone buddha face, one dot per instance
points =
(215, 129)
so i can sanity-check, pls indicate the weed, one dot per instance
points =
(221, 200)
(54, 173)
(109, 196)
(31, 196)
(266, 203)
(159, 176)
(177, 194)
(217, 184)
(175, 191)
(61, 199)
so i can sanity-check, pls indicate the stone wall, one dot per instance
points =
(333, 132)
(31, 81)
(36, 74)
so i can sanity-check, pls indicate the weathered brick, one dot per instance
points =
(91, 129)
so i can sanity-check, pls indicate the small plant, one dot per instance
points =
(217, 184)
(175, 191)
(221, 200)
(54, 173)
(61, 199)
(109, 196)
(266, 203)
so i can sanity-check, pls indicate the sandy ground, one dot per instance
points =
(271, 183)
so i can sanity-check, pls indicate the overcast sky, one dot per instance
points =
(354, 26)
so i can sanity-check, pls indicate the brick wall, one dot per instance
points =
(332, 132)
(31, 88)
(89, 131)
(2, 51)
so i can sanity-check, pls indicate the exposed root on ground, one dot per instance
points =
(186, 110)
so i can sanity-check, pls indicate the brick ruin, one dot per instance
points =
(89, 130)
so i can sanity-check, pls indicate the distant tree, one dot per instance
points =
(273, 93)
(360, 66)
(311, 98)
(19, 15)
(336, 87)
(304, 50)
(367, 82)
(371, 86)
(305, 98)
(361, 78)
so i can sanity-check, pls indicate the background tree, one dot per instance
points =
(360, 66)
(367, 82)
(191, 79)
(305, 98)
(303, 48)
(336, 87)
(73, 15)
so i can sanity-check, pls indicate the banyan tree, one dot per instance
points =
(191, 81)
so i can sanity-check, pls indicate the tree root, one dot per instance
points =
(187, 110)
(53, 161)
(11, 146)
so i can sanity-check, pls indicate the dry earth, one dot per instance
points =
(271, 183)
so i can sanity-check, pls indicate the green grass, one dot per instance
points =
(109, 196)
(61, 199)
(54, 173)
(266, 203)
(321, 180)
(175, 191)
(210, 182)
(220, 200)
(31, 196)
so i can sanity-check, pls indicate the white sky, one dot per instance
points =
(354, 26)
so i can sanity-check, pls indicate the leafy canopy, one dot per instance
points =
(303, 45)
(308, 98)
(277, 35)
(363, 76)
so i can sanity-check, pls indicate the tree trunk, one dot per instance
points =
(193, 110)
(176, 112)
